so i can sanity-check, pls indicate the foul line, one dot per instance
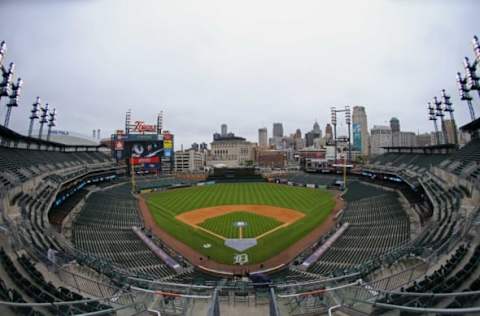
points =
(273, 230)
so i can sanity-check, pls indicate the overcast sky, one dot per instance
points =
(246, 63)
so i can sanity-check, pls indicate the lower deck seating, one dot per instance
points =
(377, 225)
(35, 287)
(12, 295)
(451, 276)
(104, 229)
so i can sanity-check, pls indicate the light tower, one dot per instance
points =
(160, 123)
(51, 122)
(14, 96)
(34, 115)
(348, 120)
(465, 94)
(448, 107)
(334, 123)
(43, 119)
(476, 48)
(440, 114)
(432, 117)
(7, 77)
(3, 50)
(128, 117)
(471, 76)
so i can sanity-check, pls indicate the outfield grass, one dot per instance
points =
(314, 203)
(224, 225)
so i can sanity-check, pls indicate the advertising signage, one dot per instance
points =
(145, 160)
(357, 137)
(167, 144)
(143, 137)
(141, 127)
(119, 145)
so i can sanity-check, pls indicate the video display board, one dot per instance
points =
(147, 152)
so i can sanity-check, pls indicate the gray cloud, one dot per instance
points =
(246, 63)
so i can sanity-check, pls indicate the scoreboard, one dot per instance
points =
(149, 153)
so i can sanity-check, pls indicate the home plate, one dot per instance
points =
(241, 244)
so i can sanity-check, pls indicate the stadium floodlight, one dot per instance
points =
(438, 107)
(465, 94)
(3, 50)
(14, 97)
(51, 122)
(471, 76)
(348, 120)
(334, 115)
(448, 107)
(160, 122)
(334, 123)
(476, 49)
(441, 115)
(34, 115)
(128, 117)
(43, 119)
(433, 117)
(7, 76)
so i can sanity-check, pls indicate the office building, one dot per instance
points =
(381, 136)
(360, 137)
(263, 137)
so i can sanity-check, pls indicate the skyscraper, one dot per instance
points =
(277, 130)
(395, 125)
(395, 128)
(224, 130)
(277, 136)
(360, 130)
(298, 133)
(263, 137)
(381, 137)
(315, 133)
(328, 131)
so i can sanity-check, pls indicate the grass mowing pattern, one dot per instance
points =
(256, 224)
(314, 203)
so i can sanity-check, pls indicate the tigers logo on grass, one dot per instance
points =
(240, 259)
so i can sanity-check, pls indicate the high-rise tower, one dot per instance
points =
(263, 137)
(360, 130)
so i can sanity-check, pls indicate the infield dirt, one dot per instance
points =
(198, 216)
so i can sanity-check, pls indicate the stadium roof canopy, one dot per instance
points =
(10, 138)
(472, 126)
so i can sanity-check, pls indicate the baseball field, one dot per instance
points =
(204, 217)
